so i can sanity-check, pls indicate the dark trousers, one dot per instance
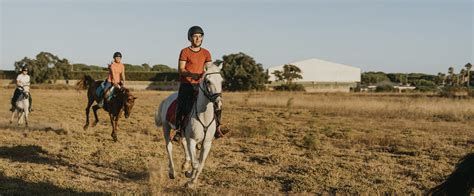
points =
(185, 102)
(16, 95)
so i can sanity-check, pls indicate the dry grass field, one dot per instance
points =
(280, 142)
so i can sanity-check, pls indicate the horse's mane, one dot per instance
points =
(212, 68)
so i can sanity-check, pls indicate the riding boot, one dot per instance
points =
(219, 132)
(179, 125)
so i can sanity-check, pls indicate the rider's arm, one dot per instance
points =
(182, 71)
(123, 76)
(110, 73)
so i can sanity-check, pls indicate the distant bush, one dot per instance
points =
(455, 92)
(290, 87)
(8, 75)
(384, 88)
(423, 85)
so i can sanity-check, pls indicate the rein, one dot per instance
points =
(211, 98)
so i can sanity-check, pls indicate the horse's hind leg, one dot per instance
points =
(169, 150)
(88, 108)
(13, 116)
(94, 109)
(114, 121)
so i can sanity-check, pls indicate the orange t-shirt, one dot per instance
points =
(115, 70)
(194, 62)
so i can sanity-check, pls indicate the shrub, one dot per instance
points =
(384, 88)
(290, 87)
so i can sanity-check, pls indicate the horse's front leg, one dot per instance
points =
(20, 118)
(192, 154)
(26, 117)
(202, 158)
(88, 108)
(94, 109)
(187, 159)
(13, 115)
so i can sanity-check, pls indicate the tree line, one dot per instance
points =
(424, 82)
(240, 71)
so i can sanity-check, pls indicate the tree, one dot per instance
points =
(290, 72)
(146, 67)
(462, 77)
(374, 77)
(162, 68)
(242, 73)
(451, 76)
(440, 78)
(45, 67)
(468, 67)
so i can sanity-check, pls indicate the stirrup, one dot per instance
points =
(177, 136)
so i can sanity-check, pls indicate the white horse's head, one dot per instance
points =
(25, 91)
(212, 84)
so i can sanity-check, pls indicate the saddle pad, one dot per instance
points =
(171, 112)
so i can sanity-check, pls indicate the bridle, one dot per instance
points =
(212, 98)
(205, 89)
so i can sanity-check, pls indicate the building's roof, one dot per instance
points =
(323, 71)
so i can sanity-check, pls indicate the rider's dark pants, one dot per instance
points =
(185, 102)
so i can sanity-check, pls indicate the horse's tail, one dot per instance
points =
(460, 181)
(85, 83)
(158, 121)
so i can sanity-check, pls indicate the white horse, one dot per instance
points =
(201, 125)
(22, 105)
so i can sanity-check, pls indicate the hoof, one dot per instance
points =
(189, 185)
(188, 174)
(171, 176)
(94, 124)
(85, 127)
(114, 137)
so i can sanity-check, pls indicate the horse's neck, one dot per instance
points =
(204, 106)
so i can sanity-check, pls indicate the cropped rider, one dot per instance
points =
(22, 80)
(116, 76)
(192, 61)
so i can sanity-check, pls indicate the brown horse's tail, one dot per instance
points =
(85, 83)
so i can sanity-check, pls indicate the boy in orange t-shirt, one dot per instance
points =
(191, 64)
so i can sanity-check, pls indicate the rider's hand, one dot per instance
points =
(196, 76)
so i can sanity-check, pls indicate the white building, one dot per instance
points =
(323, 76)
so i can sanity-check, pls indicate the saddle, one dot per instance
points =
(173, 108)
(101, 90)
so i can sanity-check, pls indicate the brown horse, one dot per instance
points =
(122, 101)
(460, 181)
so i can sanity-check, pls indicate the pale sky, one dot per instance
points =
(375, 35)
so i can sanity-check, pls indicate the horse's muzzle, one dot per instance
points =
(214, 97)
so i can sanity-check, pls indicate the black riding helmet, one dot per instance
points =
(117, 54)
(24, 68)
(194, 30)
